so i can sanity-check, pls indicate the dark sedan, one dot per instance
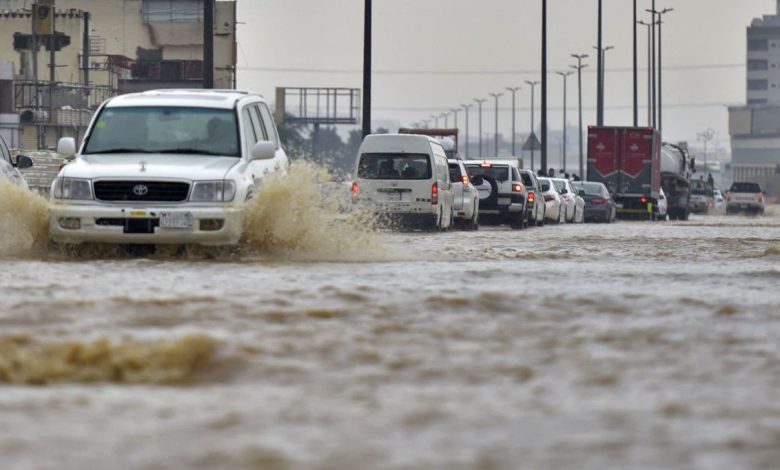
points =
(599, 205)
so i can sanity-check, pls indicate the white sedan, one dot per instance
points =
(574, 204)
(553, 202)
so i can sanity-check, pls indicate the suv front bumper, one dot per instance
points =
(96, 223)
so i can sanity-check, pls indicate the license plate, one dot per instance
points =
(394, 196)
(504, 201)
(619, 206)
(176, 220)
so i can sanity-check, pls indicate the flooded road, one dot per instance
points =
(642, 345)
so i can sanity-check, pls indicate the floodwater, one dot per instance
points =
(632, 345)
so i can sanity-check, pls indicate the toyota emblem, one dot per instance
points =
(140, 190)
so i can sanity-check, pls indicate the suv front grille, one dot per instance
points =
(150, 191)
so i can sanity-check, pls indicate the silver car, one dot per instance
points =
(466, 196)
(9, 169)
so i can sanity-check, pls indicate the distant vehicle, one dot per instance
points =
(677, 167)
(628, 161)
(501, 190)
(536, 203)
(662, 209)
(747, 197)
(406, 178)
(574, 204)
(720, 201)
(554, 210)
(465, 196)
(9, 169)
(599, 206)
(166, 167)
(702, 197)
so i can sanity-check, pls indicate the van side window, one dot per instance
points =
(268, 122)
(249, 131)
(5, 154)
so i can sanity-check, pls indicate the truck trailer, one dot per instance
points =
(628, 161)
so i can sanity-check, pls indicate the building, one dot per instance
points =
(102, 48)
(755, 127)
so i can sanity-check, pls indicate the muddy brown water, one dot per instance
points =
(632, 345)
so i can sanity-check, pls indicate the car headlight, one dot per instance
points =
(213, 191)
(72, 188)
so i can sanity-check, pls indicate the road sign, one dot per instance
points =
(532, 143)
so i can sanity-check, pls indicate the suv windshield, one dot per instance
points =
(165, 130)
(394, 166)
(500, 173)
(745, 188)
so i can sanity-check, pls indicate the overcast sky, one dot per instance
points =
(498, 43)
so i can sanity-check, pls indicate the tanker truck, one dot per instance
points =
(676, 169)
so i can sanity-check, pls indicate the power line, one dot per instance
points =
(560, 108)
(694, 67)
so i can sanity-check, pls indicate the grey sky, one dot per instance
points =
(494, 36)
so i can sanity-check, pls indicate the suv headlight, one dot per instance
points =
(72, 188)
(213, 191)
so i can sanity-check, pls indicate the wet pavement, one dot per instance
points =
(637, 344)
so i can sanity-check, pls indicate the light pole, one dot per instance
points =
(600, 71)
(435, 120)
(425, 123)
(446, 117)
(466, 108)
(603, 75)
(479, 103)
(636, 75)
(533, 88)
(513, 90)
(544, 84)
(579, 68)
(659, 95)
(565, 76)
(706, 137)
(496, 96)
(455, 112)
(650, 100)
(367, 69)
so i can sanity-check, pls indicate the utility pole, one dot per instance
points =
(466, 108)
(513, 90)
(579, 68)
(544, 84)
(533, 129)
(565, 76)
(446, 117)
(660, 68)
(435, 120)
(653, 21)
(479, 103)
(600, 71)
(636, 75)
(706, 136)
(208, 44)
(496, 96)
(367, 68)
(603, 76)
(649, 72)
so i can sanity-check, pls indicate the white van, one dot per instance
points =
(405, 177)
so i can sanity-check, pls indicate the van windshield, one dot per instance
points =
(163, 129)
(394, 166)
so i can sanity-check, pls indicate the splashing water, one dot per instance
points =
(293, 217)
(23, 220)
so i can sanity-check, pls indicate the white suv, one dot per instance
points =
(167, 166)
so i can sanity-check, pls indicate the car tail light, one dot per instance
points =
(465, 179)
(435, 193)
(517, 188)
(760, 197)
(355, 190)
(729, 196)
(710, 205)
(643, 200)
(549, 198)
(600, 200)
(531, 197)
(486, 165)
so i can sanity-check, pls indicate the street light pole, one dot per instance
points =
(533, 129)
(367, 69)
(435, 120)
(565, 76)
(649, 72)
(479, 103)
(513, 90)
(636, 75)
(446, 117)
(544, 84)
(603, 62)
(660, 68)
(496, 96)
(466, 108)
(579, 68)
(600, 72)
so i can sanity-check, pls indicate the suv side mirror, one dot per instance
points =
(23, 161)
(263, 150)
(581, 192)
(67, 147)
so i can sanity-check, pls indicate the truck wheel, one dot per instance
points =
(685, 215)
